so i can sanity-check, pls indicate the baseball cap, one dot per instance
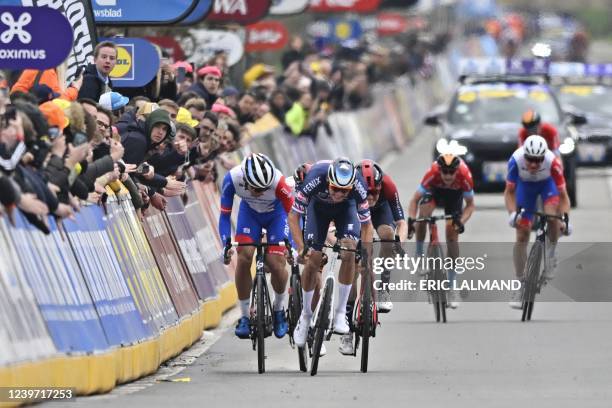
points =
(55, 115)
(113, 101)
(43, 93)
(209, 70)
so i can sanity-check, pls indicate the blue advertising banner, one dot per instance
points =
(122, 12)
(335, 31)
(91, 244)
(59, 288)
(199, 13)
(137, 62)
(36, 38)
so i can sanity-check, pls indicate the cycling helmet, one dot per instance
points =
(372, 174)
(531, 119)
(258, 170)
(300, 172)
(535, 146)
(448, 161)
(341, 173)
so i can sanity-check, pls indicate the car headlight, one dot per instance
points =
(567, 146)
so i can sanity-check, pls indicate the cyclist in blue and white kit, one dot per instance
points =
(266, 200)
(534, 170)
(331, 191)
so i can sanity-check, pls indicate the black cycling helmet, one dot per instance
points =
(300, 172)
(448, 161)
(531, 119)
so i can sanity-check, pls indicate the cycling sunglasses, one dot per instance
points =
(448, 171)
(258, 190)
(534, 159)
(337, 189)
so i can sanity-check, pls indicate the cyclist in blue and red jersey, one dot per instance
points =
(331, 191)
(266, 200)
(533, 170)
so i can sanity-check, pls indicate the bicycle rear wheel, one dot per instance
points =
(261, 323)
(295, 310)
(366, 324)
(321, 325)
(534, 262)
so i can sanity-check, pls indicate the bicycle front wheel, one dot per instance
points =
(534, 263)
(295, 310)
(261, 323)
(321, 325)
(366, 323)
(438, 295)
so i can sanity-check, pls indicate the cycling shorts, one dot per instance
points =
(527, 193)
(382, 215)
(320, 215)
(250, 223)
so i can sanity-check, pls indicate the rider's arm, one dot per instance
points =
(414, 202)
(469, 207)
(227, 201)
(296, 232)
(556, 172)
(284, 195)
(510, 190)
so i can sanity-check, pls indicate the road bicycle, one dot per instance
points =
(536, 264)
(294, 310)
(323, 318)
(261, 321)
(436, 277)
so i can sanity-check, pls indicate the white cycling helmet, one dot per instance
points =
(535, 146)
(258, 170)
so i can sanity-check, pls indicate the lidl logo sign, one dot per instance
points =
(124, 69)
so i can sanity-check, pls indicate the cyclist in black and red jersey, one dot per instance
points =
(448, 183)
(388, 221)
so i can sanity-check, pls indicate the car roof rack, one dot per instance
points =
(513, 79)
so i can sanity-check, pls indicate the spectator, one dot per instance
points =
(230, 96)
(114, 102)
(297, 118)
(30, 78)
(169, 106)
(245, 110)
(96, 80)
(90, 106)
(208, 85)
(197, 108)
(295, 52)
(279, 104)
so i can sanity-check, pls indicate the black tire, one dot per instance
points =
(366, 323)
(534, 262)
(261, 324)
(295, 310)
(438, 297)
(321, 326)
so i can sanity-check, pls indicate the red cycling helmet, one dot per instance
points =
(372, 173)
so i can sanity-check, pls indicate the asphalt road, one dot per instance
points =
(484, 356)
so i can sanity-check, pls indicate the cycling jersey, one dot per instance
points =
(463, 180)
(313, 200)
(545, 182)
(389, 196)
(547, 131)
(257, 212)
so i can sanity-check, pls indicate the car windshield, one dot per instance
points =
(588, 99)
(501, 104)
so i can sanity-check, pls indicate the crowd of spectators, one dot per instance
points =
(65, 143)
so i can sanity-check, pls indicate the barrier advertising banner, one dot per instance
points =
(137, 62)
(199, 13)
(285, 7)
(355, 6)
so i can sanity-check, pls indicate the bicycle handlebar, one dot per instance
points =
(233, 244)
(545, 215)
(434, 218)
